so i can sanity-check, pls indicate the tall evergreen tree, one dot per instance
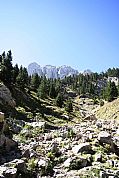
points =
(42, 90)
(35, 81)
(111, 91)
(69, 106)
(52, 91)
(59, 100)
(15, 72)
(22, 78)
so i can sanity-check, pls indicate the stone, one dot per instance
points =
(98, 157)
(6, 96)
(20, 165)
(41, 163)
(99, 124)
(104, 137)
(75, 163)
(37, 124)
(2, 116)
(81, 147)
(10, 173)
(2, 139)
(103, 174)
(90, 117)
(26, 153)
(67, 162)
(10, 144)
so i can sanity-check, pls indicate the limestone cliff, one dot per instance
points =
(6, 96)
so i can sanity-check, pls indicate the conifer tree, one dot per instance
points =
(111, 91)
(69, 106)
(52, 91)
(59, 100)
(35, 81)
(42, 90)
(22, 78)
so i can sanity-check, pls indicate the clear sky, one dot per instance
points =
(81, 33)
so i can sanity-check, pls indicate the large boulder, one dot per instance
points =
(20, 165)
(104, 137)
(75, 163)
(1, 121)
(10, 172)
(10, 144)
(6, 97)
(81, 148)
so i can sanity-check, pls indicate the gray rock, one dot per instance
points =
(41, 163)
(81, 147)
(75, 163)
(20, 165)
(10, 173)
(98, 157)
(10, 144)
(26, 153)
(103, 174)
(104, 137)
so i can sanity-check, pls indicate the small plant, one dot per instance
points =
(50, 155)
(70, 133)
(101, 102)
(32, 164)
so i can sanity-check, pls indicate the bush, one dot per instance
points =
(101, 102)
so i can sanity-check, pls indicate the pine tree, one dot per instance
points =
(59, 100)
(15, 72)
(6, 68)
(69, 106)
(52, 91)
(22, 78)
(111, 91)
(35, 81)
(42, 90)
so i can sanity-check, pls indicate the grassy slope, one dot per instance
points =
(109, 110)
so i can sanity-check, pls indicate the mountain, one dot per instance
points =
(51, 71)
(87, 72)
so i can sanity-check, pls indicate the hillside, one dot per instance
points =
(109, 111)
(57, 128)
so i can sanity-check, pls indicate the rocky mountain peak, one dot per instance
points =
(51, 71)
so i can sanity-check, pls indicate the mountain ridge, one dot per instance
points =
(51, 71)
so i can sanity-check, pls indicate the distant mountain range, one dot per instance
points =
(53, 71)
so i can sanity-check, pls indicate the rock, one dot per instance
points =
(20, 165)
(81, 147)
(26, 153)
(6, 96)
(67, 162)
(103, 174)
(10, 173)
(16, 128)
(2, 140)
(90, 117)
(98, 157)
(1, 116)
(41, 163)
(99, 124)
(75, 163)
(10, 144)
(104, 137)
(37, 124)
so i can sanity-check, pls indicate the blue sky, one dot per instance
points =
(81, 33)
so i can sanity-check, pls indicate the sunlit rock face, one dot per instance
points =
(5, 96)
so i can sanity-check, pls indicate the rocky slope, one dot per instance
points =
(51, 71)
(83, 147)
